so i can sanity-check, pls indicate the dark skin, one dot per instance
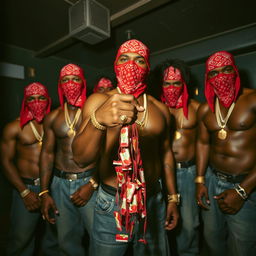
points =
(184, 147)
(104, 89)
(57, 152)
(20, 152)
(154, 137)
(235, 154)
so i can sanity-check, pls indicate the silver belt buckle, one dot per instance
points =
(178, 165)
(37, 182)
(71, 176)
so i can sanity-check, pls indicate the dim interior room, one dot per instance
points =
(39, 37)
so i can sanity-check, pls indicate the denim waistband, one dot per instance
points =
(185, 164)
(154, 189)
(73, 175)
(229, 177)
(29, 181)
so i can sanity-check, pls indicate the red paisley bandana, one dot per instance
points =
(131, 76)
(36, 109)
(74, 93)
(172, 96)
(225, 86)
(104, 82)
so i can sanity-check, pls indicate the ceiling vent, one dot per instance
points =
(89, 21)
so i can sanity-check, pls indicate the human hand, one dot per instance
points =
(201, 193)
(32, 201)
(172, 216)
(48, 209)
(229, 201)
(82, 195)
(118, 109)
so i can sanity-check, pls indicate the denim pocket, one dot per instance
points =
(104, 204)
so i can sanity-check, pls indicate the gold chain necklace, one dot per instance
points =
(36, 133)
(144, 118)
(222, 133)
(71, 125)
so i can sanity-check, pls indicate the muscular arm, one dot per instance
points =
(8, 150)
(202, 155)
(48, 151)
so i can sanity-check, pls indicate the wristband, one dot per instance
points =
(199, 180)
(93, 183)
(96, 124)
(25, 192)
(241, 192)
(174, 198)
(43, 192)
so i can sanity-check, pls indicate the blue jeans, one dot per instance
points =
(23, 227)
(187, 235)
(72, 221)
(104, 228)
(226, 234)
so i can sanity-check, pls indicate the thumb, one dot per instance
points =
(138, 106)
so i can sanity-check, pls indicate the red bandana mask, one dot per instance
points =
(130, 75)
(75, 93)
(35, 109)
(225, 86)
(172, 96)
(103, 83)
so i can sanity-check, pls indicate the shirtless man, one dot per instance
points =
(147, 128)
(175, 77)
(20, 150)
(227, 135)
(104, 85)
(66, 201)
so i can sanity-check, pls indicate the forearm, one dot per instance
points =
(13, 176)
(46, 169)
(249, 183)
(202, 157)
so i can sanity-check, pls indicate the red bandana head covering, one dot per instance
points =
(225, 86)
(36, 109)
(130, 75)
(75, 93)
(103, 83)
(172, 96)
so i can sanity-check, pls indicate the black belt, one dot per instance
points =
(28, 181)
(73, 175)
(229, 177)
(112, 191)
(185, 164)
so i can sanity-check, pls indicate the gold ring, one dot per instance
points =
(123, 118)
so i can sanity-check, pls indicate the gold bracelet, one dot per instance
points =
(25, 192)
(199, 180)
(174, 198)
(96, 124)
(43, 192)
(94, 183)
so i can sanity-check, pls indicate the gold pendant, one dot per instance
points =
(177, 135)
(222, 134)
(40, 143)
(71, 133)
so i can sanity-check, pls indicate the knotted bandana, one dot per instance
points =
(103, 83)
(225, 86)
(130, 75)
(75, 93)
(35, 109)
(172, 96)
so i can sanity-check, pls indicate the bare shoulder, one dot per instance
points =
(203, 110)
(160, 105)
(49, 118)
(194, 103)
(12, 129)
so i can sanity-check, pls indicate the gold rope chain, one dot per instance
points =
(71, 125)
(144, 118)
(36, 133)
(220, 120)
